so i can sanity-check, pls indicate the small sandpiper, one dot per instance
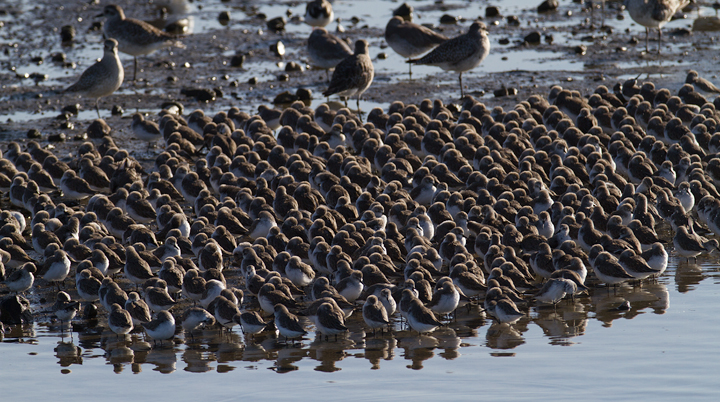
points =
(158, 298)
(58, 267)
(110, 293)
(688, 244)
(353, 75)
(420, 318)
(300, 273)
(225, 312)
(21, 279)
(330, 320)
(608, 270)
(138, 309)
(88, 286)
(445, 299)
(251, 322)
(196, 317)
(162, 327)
(75, 187)
(136, 269)
(460, 54)
(102, 78)
(374, 313)
(656, 257)
(319, 13)
(145, 130)
(287, 324)
(134, 37)
(119, 320)
(64, 308)
(388, 301)
(555, 290)
(505, 310)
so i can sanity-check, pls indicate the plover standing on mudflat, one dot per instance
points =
(102, 78)
(411, 40)
(461, 53)
(326, 50)
(653, 14)
(134, 37)
(353, 75)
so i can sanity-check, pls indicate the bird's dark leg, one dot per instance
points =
(410, 71)
(97, 106)
(647, 39)
(461, 87)
(659, 39)
(135, 69)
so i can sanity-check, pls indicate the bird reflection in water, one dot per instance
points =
(687, 275)
(288, 355)
(503, 336)
(379, 348)
(164, 359)
(328, 353)
(417, 348)
(229, 351)
(68, 354)
(197, 360)
(628, 302)
(565, 321)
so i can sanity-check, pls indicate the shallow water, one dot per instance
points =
(661, 349)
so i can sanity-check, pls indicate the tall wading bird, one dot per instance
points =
(102, 78)
(353, 75)
(135, 37)
(461, 53)
(326, 50)
(654, 14)
(411, 40)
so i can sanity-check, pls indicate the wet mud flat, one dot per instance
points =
(571, 51)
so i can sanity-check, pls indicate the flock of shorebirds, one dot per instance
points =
(416, 211)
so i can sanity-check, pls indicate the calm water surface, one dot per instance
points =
(663, 348)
